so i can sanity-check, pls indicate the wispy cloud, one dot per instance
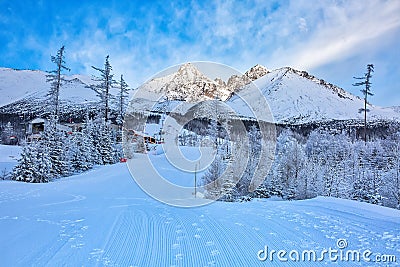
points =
(345, 30)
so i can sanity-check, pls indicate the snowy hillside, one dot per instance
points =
(26, 91)
(15, 85)
(296, 97)
(103, 218)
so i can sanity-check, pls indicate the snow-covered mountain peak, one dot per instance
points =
(236, 82)
(190, 73)
(256, 72)
(189, 84)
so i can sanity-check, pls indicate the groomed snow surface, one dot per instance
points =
(8, 158)
(103, 218)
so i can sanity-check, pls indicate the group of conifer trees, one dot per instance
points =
(58, 153)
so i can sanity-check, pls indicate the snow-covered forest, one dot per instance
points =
(321, 164)
(57, 152)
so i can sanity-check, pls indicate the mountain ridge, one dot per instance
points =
(294, 96)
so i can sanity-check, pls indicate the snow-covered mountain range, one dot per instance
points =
(191, 85)
(25, 91)
(297, 97)
(293, 96)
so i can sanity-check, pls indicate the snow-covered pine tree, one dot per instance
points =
(336, 155)
(290, 157)
(43, 164)
(237, 173)
(368, 182)
(346, 164)
(366, 92)
(228, 189)
(96, 139)
(296, 160)
(81, 151)
(103, 87)
(127, 143)
(261, 191)
(117, 150)
(57, 146)
(25, 170)
(244, 184)
(392, 176)
(314, 166)
(105, 144)
(277, 180)
(55, 78)
(91, 131)
(311, 177)
(359, 186)
(376, 164)
(211, 182)
(34, 164)
(123, 93)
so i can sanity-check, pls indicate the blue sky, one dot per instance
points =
(333, 40)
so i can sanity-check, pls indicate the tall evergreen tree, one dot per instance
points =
(104, 86)
(92, 130)
(34, 165)
(211, 182)
(80, 151)
(104, 144)
(55, 142)
(43, 164)
(25, 170)
(392, 180)
(244, 185)
(55, 78)
(122, 99)
(366, 92)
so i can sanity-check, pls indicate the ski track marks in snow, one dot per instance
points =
(106, 220)
(75, 198)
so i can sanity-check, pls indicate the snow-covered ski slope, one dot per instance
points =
(102, 218)
(8, 157)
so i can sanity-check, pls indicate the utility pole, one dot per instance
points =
(195, 180)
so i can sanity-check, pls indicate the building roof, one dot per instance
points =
(37, 120)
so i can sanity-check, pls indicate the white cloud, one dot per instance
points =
(344, 31)
(301, 33)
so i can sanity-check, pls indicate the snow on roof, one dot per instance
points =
(38, 120)
(63, 127)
